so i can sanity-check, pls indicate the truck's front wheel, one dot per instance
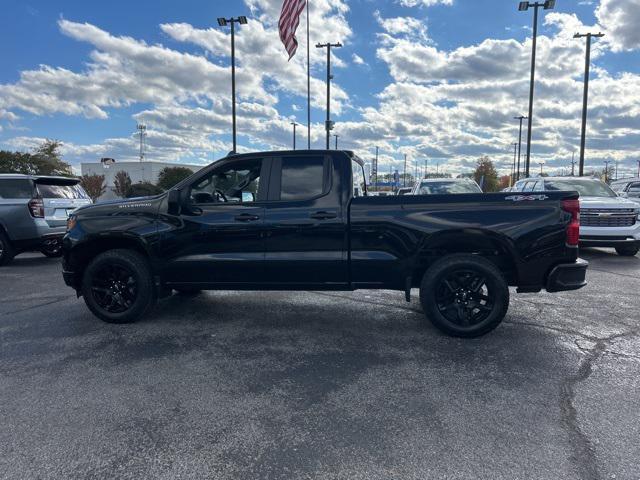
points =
(464, 295)
(117, 286)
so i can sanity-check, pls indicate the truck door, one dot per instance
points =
(305, 223)
(220, 238)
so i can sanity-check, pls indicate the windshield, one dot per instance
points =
(437, 188)
(61, 191)
(586, 188)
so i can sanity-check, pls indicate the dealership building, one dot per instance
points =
(144, 171)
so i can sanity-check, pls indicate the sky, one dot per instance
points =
(437, 80)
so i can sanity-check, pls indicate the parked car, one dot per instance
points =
(606, 220)
(627, 188)
(404, 191)
(440, 186)
(293, 221)
(33, 213)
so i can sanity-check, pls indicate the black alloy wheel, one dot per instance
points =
(6, 250)
(114, 288)
(117, 286)
(464, 295)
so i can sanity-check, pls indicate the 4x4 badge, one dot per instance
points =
(521, 198)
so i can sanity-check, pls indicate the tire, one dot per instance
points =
(456, 279)
(628, 250)
(117, 286)
(6, 250)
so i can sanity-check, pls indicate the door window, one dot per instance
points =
(359, 182)
(302, 178)
(634, 190)
(235, 182)
(16, 188)
(529, 187)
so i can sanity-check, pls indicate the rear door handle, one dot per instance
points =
(323, 215)
(247, 217)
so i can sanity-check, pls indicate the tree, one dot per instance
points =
(93, 185)
(504, 181)
(46, 159)
(486, 175)
(143, 189)
(122, 183)
(170, 176)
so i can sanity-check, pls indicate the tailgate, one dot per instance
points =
(60, 198)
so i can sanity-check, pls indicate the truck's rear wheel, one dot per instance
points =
(117, 286)
(628, 250)
(464, 295)
(6, 249)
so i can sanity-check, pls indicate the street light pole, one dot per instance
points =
(222, 21)
(521, 118)
(376, 175)
(512, 179)
(585, 96)
(294, 134)
(404, 182)
(573, 164)
(606, 170)
(328, 124)
(336, 136)
(523, 6)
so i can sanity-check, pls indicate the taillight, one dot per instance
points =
(36, 207)
(573, 230)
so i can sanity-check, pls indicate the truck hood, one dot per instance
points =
(606, 202)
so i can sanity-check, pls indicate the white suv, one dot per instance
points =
(606, 220)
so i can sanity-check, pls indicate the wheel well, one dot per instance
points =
(83, 254)
(486, 247)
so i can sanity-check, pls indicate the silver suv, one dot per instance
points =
(34, 211)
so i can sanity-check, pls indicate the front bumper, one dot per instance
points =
(567, 276)
(609, 236)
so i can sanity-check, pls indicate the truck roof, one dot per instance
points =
(275, 153)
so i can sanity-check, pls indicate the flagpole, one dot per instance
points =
(308, 85)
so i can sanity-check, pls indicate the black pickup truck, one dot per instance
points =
(302, 220)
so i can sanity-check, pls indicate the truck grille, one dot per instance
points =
(607, 217)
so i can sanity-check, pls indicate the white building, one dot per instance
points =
(144, 171)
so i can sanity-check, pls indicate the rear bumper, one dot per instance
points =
(568, 276)
(38, 242)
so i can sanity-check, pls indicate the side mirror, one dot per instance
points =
(173, 202)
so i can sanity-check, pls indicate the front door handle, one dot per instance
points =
(323, 215)
(247, 217)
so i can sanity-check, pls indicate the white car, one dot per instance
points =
(627, 188)
(606, 220)
(439, 186)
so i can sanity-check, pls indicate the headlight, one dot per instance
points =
(71, 222)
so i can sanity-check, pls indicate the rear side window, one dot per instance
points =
(302, 178)
(61, 191)
(16, 188)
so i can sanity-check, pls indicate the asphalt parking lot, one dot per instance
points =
(319, 385)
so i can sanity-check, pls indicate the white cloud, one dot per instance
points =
(357, 59)
(620, 20)
(423, 3)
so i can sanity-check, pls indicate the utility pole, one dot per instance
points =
(585, 96)
(142, 132)
(328, 123)
(541, 164)
(242, 20)
(294, 134)
(523, 6)
(521, 118)
(404, 182)
(512, 179)
(336, 140)
(573, 163)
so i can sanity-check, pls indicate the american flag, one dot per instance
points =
(289, 20)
